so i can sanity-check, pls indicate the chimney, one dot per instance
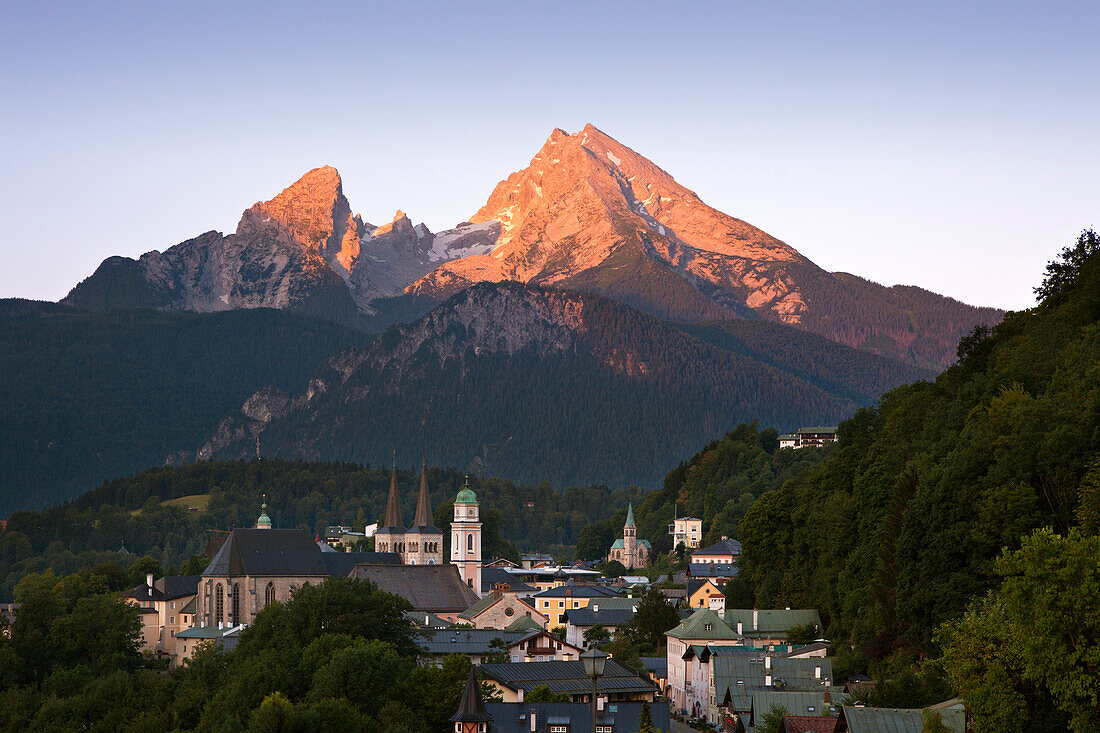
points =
(767, 680)
(427, 619)
(600, 700)
(534, 727)
(149, 580)
(724, 538)
(595, 608)
(519, 695)
(740, 628)
(767, 662)
(828, 697)
(755, 619)
(817, 671)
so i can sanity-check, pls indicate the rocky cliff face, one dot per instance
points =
(587, 213)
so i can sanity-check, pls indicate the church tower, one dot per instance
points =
(391, 538)
(466, 538)
(630, 539)
(263, 521)
(423, 541)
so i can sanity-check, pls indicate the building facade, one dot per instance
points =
(630, 551)
(466, 537)
(687, 531)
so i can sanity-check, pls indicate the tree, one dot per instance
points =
(596, 635)
(498, 653)
(1062, 272)
(645, 720)
(541, 693)
(772, 721)
(655, 616)
(614, 569)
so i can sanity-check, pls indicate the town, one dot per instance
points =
(555, 646)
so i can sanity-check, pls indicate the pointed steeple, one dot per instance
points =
(393, 504)
(423, 517)
(472, 707)
(629, 515)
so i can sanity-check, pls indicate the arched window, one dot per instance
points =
(269, 594)
(236, 606)
(219, 604)
(469, 543)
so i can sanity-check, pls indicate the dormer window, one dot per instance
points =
(708, 627)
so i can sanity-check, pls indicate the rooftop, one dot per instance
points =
(770, 621)
(516, 717)
(567, 677)
(704, 625)
(432, 588)
(722, 547)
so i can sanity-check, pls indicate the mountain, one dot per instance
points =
(90, 396)
(542, 385)
(590, 213)
(302, 250)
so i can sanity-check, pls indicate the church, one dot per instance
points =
(630, 551)
(422, 544)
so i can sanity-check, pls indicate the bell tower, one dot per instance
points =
(466, 537)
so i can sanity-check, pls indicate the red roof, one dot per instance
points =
(809, 724)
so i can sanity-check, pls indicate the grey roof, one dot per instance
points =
(704, 624)
(491, 576)
(606, 615)
(771, 621)
(570, 590)
(469, 641)
(722, 547)
(427, 620)
(567, 677)
(471, 709)
(882, 720)
(165, 589)
(434, 588)
(796, 703)
(657, 666)
(515, 717)
(738, 675)
(713, 570)
(190, 606)
(268, 552)
(340, 564)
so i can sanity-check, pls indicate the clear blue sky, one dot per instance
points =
(949, 145)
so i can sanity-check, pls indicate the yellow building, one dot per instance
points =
(688, 530)
(554, 602)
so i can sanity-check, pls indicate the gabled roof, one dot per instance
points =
(882, 720)
(489, 601)
(268, 552)
(191, 606)
(809, 724)
(818, 429)
(165, 589)
(693, 585)
(704, 625)
(340, 564)
(516, 717)
(618, 544)
(713, 570)
(434, 588)
(608, 614)
(656, 666)
(523, 623)
(737, 674)
(771, 621)
(470, 641)
(567, 677)
(491, 576)
(578, 591)
(722, 547)
(796, 703)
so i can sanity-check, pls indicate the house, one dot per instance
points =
(611, 613)
(618, 684)
(481, 645)
(686, 531)
(769, 627)
(498, 609)
(738, 674)
(555, 601)
(657, 667)
(676, 596)
(813, 437)
(570, 717)
(688, 668)
(855, 719)
(705, 594)
(189, 640)
(723, 552)
(500, 562)
(436, 589)
(720, 572)
(161, 603)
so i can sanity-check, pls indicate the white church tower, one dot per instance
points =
(466, 538)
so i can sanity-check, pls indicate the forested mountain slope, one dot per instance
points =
(543, 385)
(90, 396)
(897, 529)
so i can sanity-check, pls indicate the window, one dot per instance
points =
(470, 543)
(269, 594)
(810, 708)
(171, 604)
(219, 604)
(707, 627)
(509, 611)
(236, 603)
(471, 512)
(171, 619)
(559, 729)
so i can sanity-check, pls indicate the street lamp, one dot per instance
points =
(594, 661)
